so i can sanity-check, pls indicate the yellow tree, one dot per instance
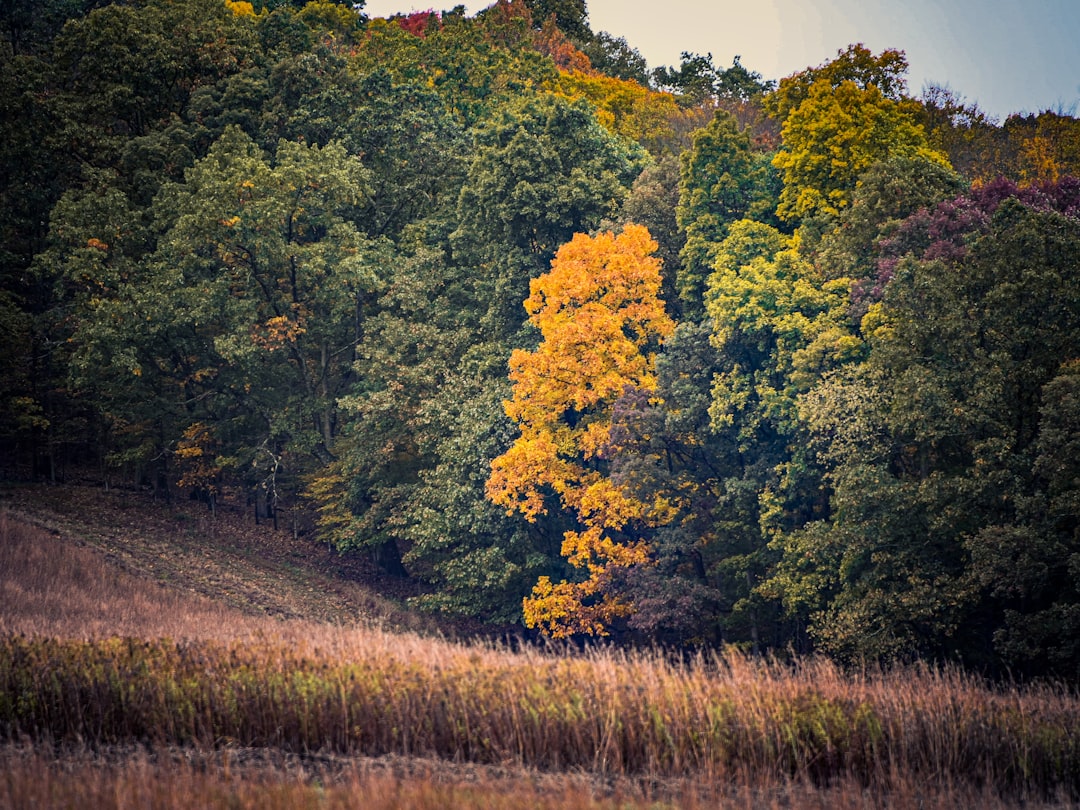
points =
(624, 107)
(835, 135)
(601, 321)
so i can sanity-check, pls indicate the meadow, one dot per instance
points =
(118, 691)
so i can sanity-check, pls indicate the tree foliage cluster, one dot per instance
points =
(797, 364)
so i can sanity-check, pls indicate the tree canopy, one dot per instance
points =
(796, 366)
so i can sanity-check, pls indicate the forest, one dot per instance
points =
(680, 356)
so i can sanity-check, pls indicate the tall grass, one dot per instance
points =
(226, 680)
(173, 779)
(606, 713)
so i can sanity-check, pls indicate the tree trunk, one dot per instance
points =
(388, 557)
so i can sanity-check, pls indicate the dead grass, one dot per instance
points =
(255, 570)
(182, 779)
(479, 723)
(52, 588)
(726, 720)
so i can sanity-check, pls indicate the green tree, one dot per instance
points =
(886, 194)
(856, 64)
(425, 405)
(422, 423)
(939, 541)
(419, 327)
(699, 81)
(543, 169)
(1030, 569)
(571, 16)
(710, 553)
(778, 325)
(414, 149)
(613, 56)
(256, 279)
(475, 65)
(29, 26)
(124, 70)
(33, 176)
(652, 202)
(720, 182)
(94, 96)
(480, 561)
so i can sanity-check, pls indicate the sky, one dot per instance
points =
(1007, 56)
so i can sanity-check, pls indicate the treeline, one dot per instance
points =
(685, 355)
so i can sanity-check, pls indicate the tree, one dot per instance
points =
(601, 320)
(29, 26)
(1046, 147)
(1031, 569)
(543, 169)
(887, 193)
(886, 72)
(710, 552)
(940, 539)
(614, 57)
(415, 151)
(474, 65)
(833, 136)
(297, 5)
(552, 42)
(422, 422)
(624, 107)
(413, 336)
(778, 326)
(720, 182)
(971, 139)
(34, 173)
(256, 279)
(445, 322)
(479, 559)
(738, 84)
(699, 81)
(98, 100)
(651, 202)
(125, 70)
(98, 240)
(571, 16)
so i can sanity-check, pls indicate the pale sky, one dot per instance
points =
(1005, 55)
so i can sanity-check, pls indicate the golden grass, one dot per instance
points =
(607, 713)
(187, 780)
(235, 780)
(256, 570)
(752, 732)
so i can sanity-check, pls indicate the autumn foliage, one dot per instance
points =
(278, 249)
(624, 107)
(601, 319)
(419, 22)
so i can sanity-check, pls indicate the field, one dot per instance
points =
(152, 656)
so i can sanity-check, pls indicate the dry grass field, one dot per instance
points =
(123, 683)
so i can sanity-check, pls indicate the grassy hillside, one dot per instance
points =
(263, 698)
(255, 570)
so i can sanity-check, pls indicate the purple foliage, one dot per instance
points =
(946, 231)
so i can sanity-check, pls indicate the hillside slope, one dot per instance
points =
(247, 569)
